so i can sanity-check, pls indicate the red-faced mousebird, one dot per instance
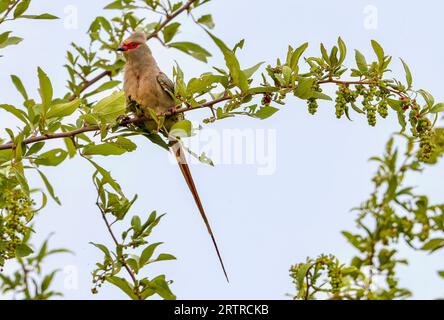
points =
(149, 88)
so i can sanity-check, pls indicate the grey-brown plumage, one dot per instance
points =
(150, 88)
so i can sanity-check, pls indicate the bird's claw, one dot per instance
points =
(123, 118)
(171, 111)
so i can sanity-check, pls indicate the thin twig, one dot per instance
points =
(116, 242)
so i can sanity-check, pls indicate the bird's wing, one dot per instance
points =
(165, 82)
(168, 86)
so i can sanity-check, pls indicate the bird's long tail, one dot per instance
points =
(185, 169)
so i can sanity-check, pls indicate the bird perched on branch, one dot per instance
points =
(151, 91)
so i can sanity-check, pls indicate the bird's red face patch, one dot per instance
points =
(129, 46)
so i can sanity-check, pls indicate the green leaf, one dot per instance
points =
(123, 285)
(342, 50)
(109, 108)
(117, 5)
(162, 289)
(192, 49)
(21, 8)
(297, 55)
(401, 120)
(23, 250)
(45, 89)
(10, 41)
(102, 248)
(250, 71)
(136, 223)
(47, 281)
(36, 147)
(320, 95)
(206, 20)
(433, 245)
(147, 253)
(125, 143)
(51, 158)
(107, 178)
(238, 77)
(441, 274)
(408, 74)
(427, 97)
(265, 112)
(63, 109)
(43, 16)
(19, 85)
(361, 62)
(183, 128)
(439, 107)
(165, 257)
(204, 83)
(20, 114)
(104, 149)
(379, 52)
(157, 139)
(49, 187)
(304, 90)
(6, 155)
(170, 31)
(105, 86)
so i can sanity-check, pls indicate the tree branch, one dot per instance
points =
(179, 109)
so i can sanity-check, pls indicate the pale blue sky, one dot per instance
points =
(263, 223)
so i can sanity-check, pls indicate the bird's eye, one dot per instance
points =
(133, 45)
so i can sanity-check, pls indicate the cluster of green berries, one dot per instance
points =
(313, 105)
(344, 96)
(16, 212)
(335, 275)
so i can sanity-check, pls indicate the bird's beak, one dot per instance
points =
(122, 48)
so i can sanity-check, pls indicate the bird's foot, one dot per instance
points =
(123, 119)
(172, 110)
